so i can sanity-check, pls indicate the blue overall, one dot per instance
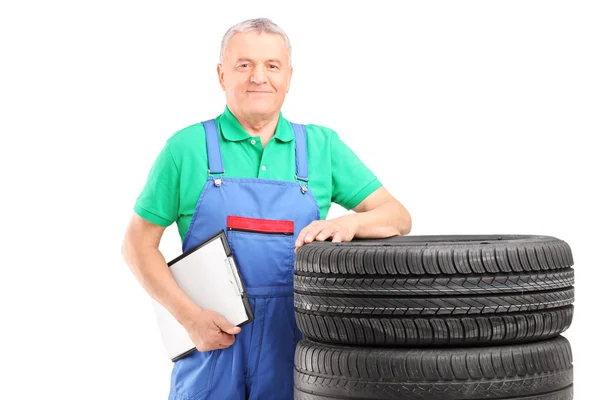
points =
(262, 219)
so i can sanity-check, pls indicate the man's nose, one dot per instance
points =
(259, 75)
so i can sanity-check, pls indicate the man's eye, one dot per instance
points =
(244, 65)
(273, 66)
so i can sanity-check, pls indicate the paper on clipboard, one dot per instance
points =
(209, 276)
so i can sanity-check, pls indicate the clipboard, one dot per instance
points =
(210, 277)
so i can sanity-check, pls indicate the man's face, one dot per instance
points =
(255, 74)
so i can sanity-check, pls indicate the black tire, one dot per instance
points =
(435, 290)
(564, 394)
(540, 370)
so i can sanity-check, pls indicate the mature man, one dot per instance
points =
(250, 168)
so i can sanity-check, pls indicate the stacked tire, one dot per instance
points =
(434, 317)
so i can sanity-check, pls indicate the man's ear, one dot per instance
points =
(221, 76)
(289, 83)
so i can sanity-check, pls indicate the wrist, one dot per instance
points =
(188, 316)
(352, 222)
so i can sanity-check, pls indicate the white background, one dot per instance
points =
(480, 117)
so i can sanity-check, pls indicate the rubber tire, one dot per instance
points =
(540, 370)
(434, 290)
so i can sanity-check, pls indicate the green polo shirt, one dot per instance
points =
(178, 175)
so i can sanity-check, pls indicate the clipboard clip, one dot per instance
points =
(235, 279)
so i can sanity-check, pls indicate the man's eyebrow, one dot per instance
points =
(271, 60)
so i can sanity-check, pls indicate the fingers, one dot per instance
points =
(325, 234)
(313, 234)
(337, 237)
(310, 232)
(225, 339)
(225, 333)
(319, 231)
(302, 235)
(234, 331)
(216, 341)
(213, 332)
(226, 326)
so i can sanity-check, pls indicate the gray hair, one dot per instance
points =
(259, 25)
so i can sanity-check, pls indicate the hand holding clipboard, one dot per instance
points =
(211, 331)
(209, 276)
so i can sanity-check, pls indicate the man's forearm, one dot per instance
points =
(389, 219)
(151, 270)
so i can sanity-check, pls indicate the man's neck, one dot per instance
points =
(260, 125)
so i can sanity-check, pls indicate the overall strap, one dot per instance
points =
(215, 161)
(301, 153)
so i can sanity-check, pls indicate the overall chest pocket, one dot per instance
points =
(263, 250)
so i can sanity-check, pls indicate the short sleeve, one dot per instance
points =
(159, 199)
(352, 180)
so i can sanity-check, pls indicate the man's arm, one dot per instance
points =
(379, 215)
(208, 330)
(140, 252)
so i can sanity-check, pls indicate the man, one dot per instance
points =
(247, 172)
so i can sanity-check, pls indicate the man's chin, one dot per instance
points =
(261, 110)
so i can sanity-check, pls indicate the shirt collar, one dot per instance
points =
(232, 130)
